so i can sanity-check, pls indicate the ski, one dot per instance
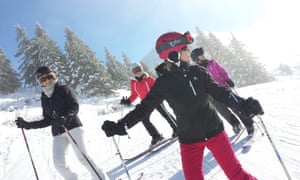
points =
(140, 176)
(237, 136)
(160, 145)
(250, 140)
(248, 144)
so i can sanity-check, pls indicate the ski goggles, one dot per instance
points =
(136, 70)
(45, 78)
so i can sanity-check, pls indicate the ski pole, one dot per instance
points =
(118, 149)
(126, 127)
(25, 139)
(274, 148)
(27, 146)
(83, 154)
(121, 157)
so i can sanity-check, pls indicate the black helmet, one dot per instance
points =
(44, 70)
(197, 52)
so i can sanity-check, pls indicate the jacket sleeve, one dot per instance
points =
(221, 70)
(147, 105)
(133, 93)
(72, 103)
(223, 94)
(151, 81)
(42, 123)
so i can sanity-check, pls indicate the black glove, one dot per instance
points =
(21, 123)
(252, 107)
(230, 83)
(60, 121)
(111, 128)
(125, 101)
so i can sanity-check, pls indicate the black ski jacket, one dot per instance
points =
(62, 103)
(187, 91)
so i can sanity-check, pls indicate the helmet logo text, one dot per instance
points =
(175, 42)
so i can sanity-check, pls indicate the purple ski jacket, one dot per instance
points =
(217, 72)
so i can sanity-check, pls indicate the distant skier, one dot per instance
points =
(219, 74)
(60, 108)
(187, 90)
(139, 87)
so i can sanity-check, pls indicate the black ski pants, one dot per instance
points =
(170, 119)
(229, 115)
(151, 129)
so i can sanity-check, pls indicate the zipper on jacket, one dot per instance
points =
(193, 89)
(191, 85)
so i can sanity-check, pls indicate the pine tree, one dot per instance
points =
(245, 68)
(218, 50)
(127, 65)
(38, 51)
(9, 81)
(116, 69)
(87, 74)
(25, 61)
(285, 69)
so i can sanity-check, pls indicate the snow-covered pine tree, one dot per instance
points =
(127, 64)
(285, 69)
(87, 74)
(26, 66)
(245, 69)
(38, 51)
(9, 81)
(116, 69)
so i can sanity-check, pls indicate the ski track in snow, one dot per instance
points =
(279, 99)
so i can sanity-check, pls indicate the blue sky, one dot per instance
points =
(130, 26)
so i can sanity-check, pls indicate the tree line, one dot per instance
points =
(79, 67)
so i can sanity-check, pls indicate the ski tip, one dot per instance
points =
(246, 149)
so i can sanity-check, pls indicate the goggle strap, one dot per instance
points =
(171, 44)
(185, 39)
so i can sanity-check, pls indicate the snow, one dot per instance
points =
(280, 100)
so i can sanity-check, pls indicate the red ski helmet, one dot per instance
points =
(172, 41)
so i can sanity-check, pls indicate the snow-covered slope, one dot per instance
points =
(280, 100)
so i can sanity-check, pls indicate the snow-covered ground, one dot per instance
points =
(280, 100)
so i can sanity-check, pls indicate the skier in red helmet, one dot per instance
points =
(187, 89)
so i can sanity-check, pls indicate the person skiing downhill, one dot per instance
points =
(221, 76)
(187, 88)
(139, 87)
(60, 109)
